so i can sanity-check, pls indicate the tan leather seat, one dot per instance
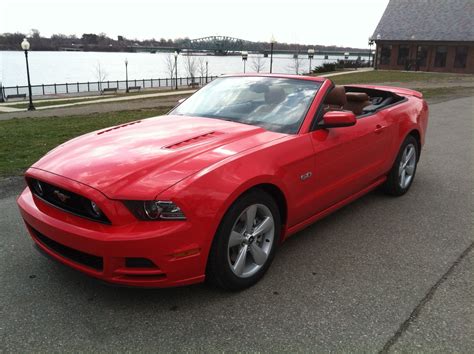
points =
(274, 95)
(336, 99)
(356, 101)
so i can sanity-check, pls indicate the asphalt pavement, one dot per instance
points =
(382, 274)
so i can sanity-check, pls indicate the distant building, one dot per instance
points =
(427, 35)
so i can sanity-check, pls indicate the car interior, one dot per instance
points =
(359, 100)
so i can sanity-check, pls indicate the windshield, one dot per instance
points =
(275, 104)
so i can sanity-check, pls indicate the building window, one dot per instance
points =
(385, 54)
(440, 56)
(403, 54)
(460, 59)
(421, 55)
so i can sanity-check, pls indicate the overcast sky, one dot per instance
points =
(327, 22)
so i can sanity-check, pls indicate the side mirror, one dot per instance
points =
(336, 119)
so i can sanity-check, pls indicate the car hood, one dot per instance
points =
(139, 160)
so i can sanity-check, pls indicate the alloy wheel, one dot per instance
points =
(407, 166)
(251, 240)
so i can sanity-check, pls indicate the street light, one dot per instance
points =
(126, 76)
(207, 67)
(245, 56)
(2, 99)
(272, 42)
(25, 45)
(371, 43)
(310, 56)
(377, 55)
(176, 69)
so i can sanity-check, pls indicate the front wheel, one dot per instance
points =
(245, 243)
(403, 170)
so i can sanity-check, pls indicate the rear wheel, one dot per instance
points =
(403, 170)
(245, 243)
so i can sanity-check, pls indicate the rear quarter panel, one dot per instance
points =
(405, 117)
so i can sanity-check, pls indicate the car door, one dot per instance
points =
(348, 159)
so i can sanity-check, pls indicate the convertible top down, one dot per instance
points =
(210, 190)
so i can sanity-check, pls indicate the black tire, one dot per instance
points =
(219, 272)
(393, 185)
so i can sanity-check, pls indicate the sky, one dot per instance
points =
(327, 22)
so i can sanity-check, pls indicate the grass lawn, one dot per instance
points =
(435, 94)
(377, 76)
(24, 141)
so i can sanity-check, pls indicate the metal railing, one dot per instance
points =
(97, 86)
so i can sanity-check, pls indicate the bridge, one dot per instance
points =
(225, 45)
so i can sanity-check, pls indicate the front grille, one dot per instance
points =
(72, 254)
(65, 200)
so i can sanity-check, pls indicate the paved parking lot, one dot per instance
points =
(381, 274)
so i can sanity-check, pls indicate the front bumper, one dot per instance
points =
(109, 252)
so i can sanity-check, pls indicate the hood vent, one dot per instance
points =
(118, 127)
(193, 140)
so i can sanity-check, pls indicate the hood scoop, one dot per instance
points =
(194, 140)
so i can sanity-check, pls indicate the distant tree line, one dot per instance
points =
(102, 43)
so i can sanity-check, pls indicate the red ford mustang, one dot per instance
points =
(210, 190)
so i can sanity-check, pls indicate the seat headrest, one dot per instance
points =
(337, 96)
(357, 96)
(274, 95)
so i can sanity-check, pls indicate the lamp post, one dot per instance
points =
(376, 57)
(272, 42)
(310, 56)
(126, 76)
(25, 45)
(371, 43)
(207, 71)
(176, 69)
(2, 96)
(245, 56)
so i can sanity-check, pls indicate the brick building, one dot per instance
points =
(427, 35)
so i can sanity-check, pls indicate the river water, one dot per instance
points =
(61, 67)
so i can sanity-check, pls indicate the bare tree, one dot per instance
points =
(202, 67)
(101, 75)
(258, 64)
(191, 67)
(296, 65)
(170, 66)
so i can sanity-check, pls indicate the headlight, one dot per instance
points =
(155, 210)
(38, 187)
(95, 210)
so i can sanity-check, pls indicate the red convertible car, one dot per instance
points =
(211, 190)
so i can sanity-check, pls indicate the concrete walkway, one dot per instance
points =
(104, 100)
(361, 70)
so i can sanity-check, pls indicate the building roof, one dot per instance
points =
(427, 20)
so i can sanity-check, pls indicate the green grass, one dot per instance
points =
(378, 76)
(435, 94)
(24, 141)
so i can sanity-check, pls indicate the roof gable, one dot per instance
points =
(427, 20)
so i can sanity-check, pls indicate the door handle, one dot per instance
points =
(379, 128)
